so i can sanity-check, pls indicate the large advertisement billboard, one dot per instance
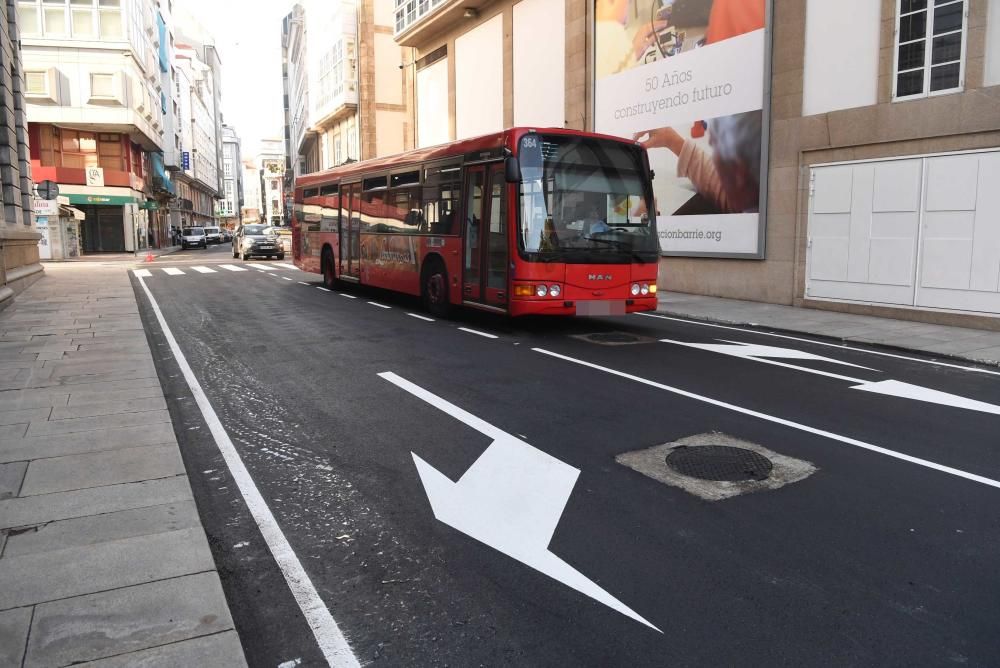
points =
(686, 79)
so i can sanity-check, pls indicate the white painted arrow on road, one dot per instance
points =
(510, 499)
(892, 388)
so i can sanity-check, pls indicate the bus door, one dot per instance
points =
(350, 231)
(486, 255)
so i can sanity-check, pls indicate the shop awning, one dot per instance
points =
(71, 212)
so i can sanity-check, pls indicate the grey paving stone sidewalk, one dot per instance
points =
(941, 340)
(103, 559)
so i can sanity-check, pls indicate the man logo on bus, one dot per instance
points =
(599, 277)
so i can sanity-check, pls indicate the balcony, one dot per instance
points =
(418, 21)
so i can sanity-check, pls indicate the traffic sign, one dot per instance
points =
(48, 189)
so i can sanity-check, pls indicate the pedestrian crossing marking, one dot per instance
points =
(285, 265)
(142, 273)
(263, 267)
(232, 267)
(204, 270)
(173, 271)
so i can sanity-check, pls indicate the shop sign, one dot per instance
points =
(150, 205)
(110, 200)
(185, 160)
(45, 207)
(95, 177)
(693, 95)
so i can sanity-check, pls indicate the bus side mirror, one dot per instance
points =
(511, 170)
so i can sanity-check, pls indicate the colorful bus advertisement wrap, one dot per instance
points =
(686, 79)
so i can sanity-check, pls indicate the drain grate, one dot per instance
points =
(613, 338)
(719, 462)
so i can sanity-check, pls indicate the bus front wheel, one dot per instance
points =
(435, 288)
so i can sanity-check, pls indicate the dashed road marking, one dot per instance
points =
(303, 283)
(320, 287)
(478, 333)
(379, 305)
(286, 278)
(344, 294)
(420, 317)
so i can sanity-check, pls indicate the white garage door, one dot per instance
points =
(916, 231)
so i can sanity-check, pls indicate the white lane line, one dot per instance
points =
(285, 265)
(232, 267)
(204, 270)
(320, 287)
(478, 333)
(822, 343)
(420, 317)
(787, 423)
(344, 294)
(379, 305)
(286, 278)
(142, 273)
(328, 635)
(303, 283)
(173, 271)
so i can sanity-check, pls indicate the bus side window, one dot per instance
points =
(441, 194)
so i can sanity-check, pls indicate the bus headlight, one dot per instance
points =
(554, 290)
(635, 289)
(542, 290)
(644, 289)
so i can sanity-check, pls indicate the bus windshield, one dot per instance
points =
(584, 200)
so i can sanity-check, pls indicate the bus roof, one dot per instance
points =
(455, 149)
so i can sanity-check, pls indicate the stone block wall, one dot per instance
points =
(19, 265)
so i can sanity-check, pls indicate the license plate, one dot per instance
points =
(600, 307)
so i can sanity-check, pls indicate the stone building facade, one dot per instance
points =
(19, 238)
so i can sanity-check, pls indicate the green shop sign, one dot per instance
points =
(108, 200)
(149, 204)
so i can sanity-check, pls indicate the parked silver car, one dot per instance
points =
(255, 240)
(193, 237)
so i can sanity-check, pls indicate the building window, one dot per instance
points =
(55, 18)
(227, 168)
(36, 84)
(930, 48)
(75, 149)
(27, 17)
(110, 14)
(102, 85)
(331, 78)
(338, 156)
(408, 12)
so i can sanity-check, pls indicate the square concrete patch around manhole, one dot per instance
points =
(652, 462)
(613, 338)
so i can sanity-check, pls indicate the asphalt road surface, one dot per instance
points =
(353, 412)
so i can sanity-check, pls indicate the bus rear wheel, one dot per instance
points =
(434, 289)
(329, 270)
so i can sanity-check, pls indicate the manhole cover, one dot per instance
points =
(719, 462)
(614, 337)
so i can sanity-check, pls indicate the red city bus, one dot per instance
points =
(524, 221)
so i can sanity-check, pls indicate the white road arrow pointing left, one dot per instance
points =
(510, 499)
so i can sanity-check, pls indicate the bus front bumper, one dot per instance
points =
(604, 307)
